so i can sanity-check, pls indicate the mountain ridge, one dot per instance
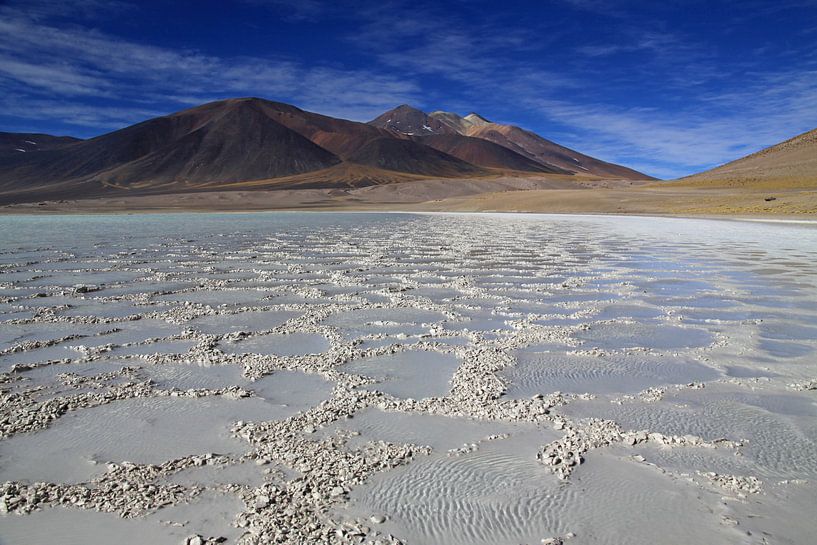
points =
(261, 143)
(414, 122)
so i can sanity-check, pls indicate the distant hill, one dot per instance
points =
(553, 157)
(792, 163)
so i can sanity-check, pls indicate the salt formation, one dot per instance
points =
(87, 323)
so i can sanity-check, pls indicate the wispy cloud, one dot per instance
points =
(298, 10)
(84, 63)
(662, 44)
(669, 144)
(734, 111)
(418, 42)
(56, 9)
(656, 96)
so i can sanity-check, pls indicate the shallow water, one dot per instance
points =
(411, 374)
(209, 515)
(680, 327)
(141, 431)
(545, 372)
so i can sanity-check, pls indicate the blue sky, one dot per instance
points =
(669, 87)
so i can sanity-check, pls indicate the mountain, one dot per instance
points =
(451, 133)
(14, 142)
(251, 143)
(406, 119)
(217, 145)
(792, 163)
(485, 153)
(411, 121)
(460, 124)
(220, 142)
(411, 157)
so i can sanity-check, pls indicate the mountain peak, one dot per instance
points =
(476, 119)
(408, 108)
(409, 120)
(459, 123)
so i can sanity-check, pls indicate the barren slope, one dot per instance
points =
(340, 136)
(792, 163)
(546, 152)
(485, 153)
(411, 121)
(411, 157)
(13, 143)
(219, 142)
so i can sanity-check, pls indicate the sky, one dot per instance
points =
(667, 87)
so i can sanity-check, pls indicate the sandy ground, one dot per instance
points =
(508, 194)
(681, 201)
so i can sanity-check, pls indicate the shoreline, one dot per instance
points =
(519, 197)
(794, 219)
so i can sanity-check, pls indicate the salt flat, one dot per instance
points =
(424, 379)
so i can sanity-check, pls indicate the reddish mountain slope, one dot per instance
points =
(555, 158)
(540, 149)
(485, 153)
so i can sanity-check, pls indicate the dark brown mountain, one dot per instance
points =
(485, 153)
(227, 141)
(340, 136)
(411, 157)
(15, 142)
(221, 144)
(406, 119)
(555, 157)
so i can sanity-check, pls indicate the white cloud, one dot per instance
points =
(84, 63)
(694, 110)
(705, 134)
